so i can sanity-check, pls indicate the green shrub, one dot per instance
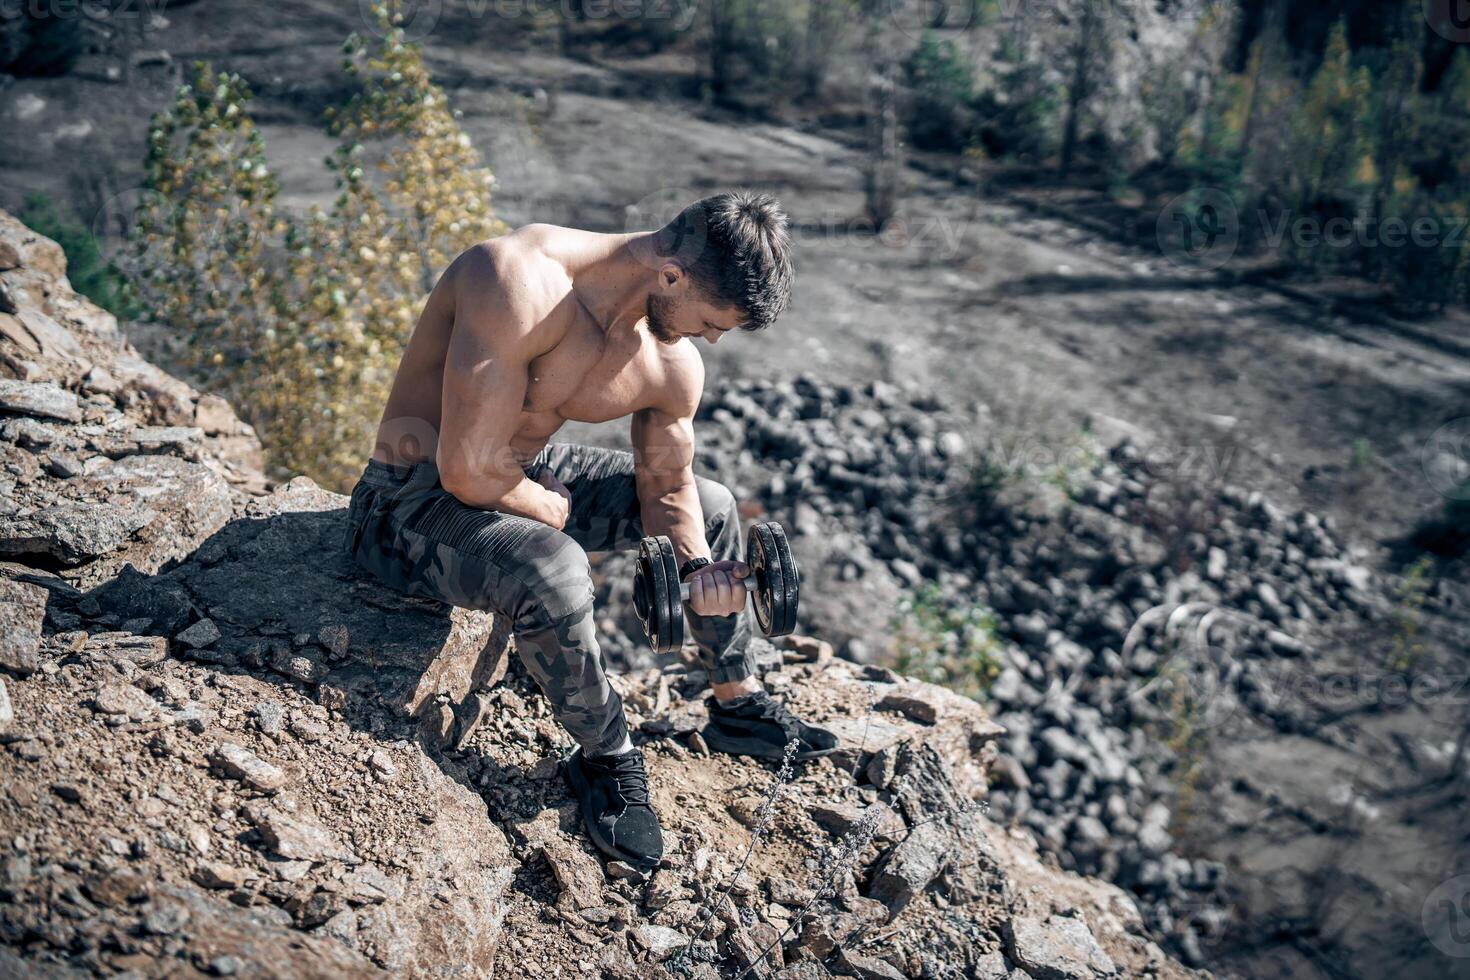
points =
(101, 282)
(755, 51)
(41, 43)
(943, 86)
(1018, 119)
(947, 644)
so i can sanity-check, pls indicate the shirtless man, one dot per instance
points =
(466, 501)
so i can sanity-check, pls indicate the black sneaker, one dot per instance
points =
(613, 794)
(759, 725)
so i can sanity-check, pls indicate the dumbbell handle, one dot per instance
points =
(747, 583)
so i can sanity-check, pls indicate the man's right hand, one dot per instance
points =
(561, 509)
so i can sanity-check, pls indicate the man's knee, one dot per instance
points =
(557, 580)
(717, 502)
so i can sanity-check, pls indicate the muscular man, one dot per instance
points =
(466, 501)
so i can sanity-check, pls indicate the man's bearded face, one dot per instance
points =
(660, 314)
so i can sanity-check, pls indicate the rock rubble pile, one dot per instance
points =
(1136, 595)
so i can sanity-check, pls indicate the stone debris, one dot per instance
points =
(22, 611)
(44, 400)
(1061, 948)
(300, 838)
(244, 765)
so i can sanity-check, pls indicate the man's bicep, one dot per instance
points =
(485, 382)
(663, 449)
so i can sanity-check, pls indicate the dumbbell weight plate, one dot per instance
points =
(778, 584)
(656, 595)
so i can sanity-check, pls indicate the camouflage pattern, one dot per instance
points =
(416, 537)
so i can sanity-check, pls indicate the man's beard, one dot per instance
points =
(659, 308)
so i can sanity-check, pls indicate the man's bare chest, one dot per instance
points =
(589, 378)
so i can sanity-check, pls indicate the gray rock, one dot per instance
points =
(284, 565)
(29, 433)
(22, 613)
(145, 510)
(7, 711)
(270, 717)
(577, 873)
(1061, 948)
(912, 865)
(297, 837)
(201, 634)
(219, 876)
(867, 967)
(133, 595)
(912, 701)
(992, 966)
(166, 435)
(42, 399)
(250, 769)
(125, 702)
(369, 886)
(838, 819)
(660, 941)
(64, 466)
(143, 651)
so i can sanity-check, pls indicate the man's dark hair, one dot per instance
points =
(736, 249)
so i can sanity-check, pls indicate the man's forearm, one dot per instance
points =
(675, 512)
(525, 498)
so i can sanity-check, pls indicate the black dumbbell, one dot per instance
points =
(774, 584)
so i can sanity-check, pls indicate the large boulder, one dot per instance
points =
(281, 593)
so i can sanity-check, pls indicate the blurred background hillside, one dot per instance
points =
(1102, 308)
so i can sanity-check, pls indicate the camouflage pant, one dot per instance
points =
(419, 539)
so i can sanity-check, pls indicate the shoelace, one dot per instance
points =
(628, 775)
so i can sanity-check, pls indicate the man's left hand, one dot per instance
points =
(716, 590)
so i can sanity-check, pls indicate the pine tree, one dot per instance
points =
(301, 322)
(1329, 145)
(202, 251)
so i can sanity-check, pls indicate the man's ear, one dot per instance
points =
(672, 277)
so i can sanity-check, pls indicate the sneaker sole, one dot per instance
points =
(581, 790)
(757, 747)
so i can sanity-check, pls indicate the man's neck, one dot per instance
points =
(612, 277)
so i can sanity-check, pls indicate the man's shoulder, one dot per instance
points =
(682, 382)
(512, 272)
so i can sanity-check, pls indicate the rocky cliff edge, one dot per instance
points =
(228, 753)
